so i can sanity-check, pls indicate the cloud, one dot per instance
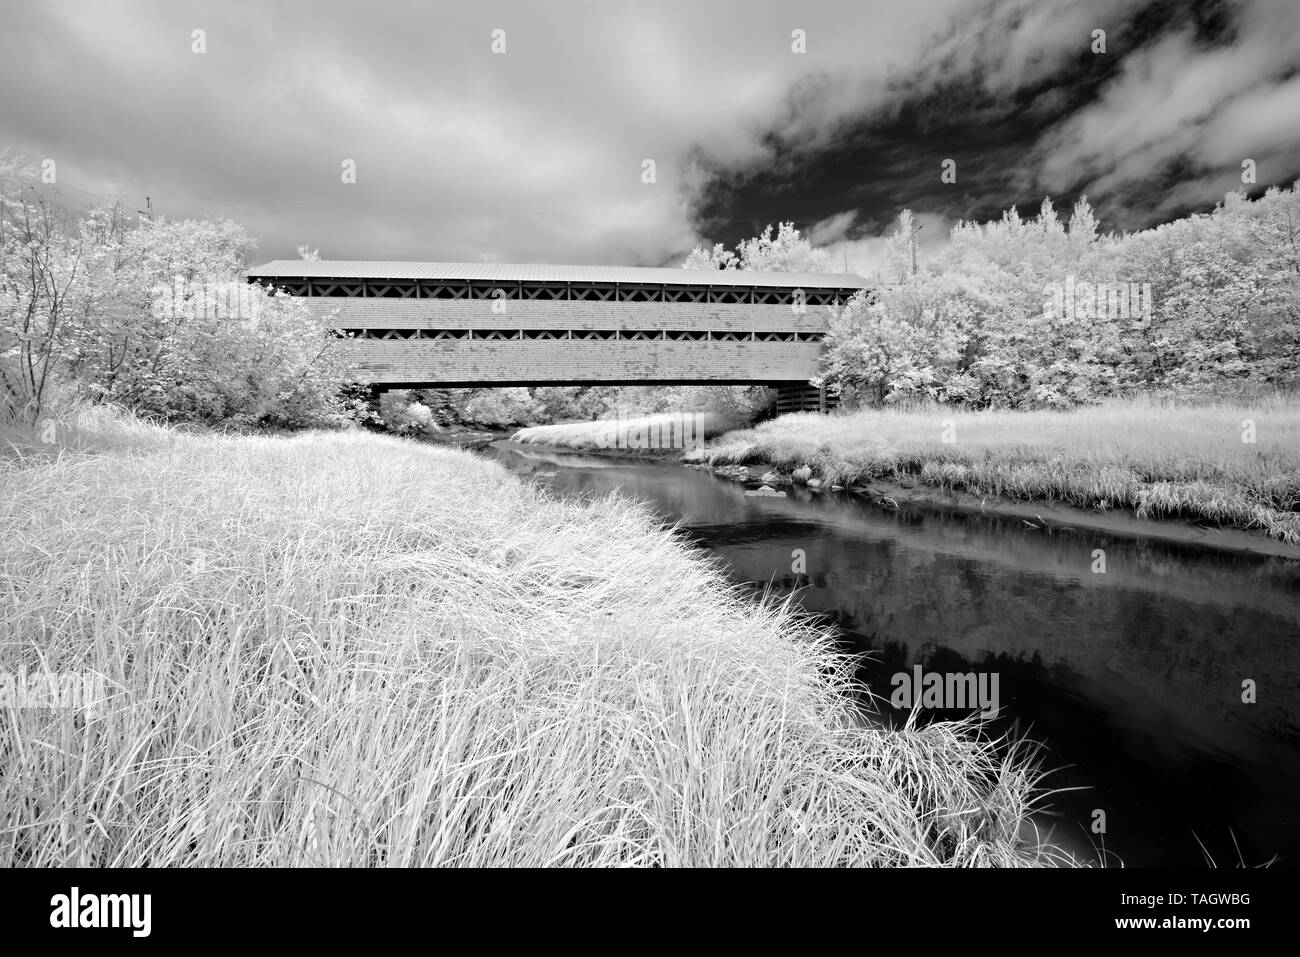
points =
(869, 255)
(832, 228)
(460, 153)
(537, 154)
(1178, 101)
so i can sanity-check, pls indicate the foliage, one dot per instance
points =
(788, 251)
(152, 315)
(1208, 304)
(501, 407)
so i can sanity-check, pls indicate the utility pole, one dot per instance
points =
(913, 238)
(1290, 235)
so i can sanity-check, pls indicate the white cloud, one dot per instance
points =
(832, 228)
(536, 155)
(1176, 101)
(868, 255)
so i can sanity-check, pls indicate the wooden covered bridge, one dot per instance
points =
(446, 325)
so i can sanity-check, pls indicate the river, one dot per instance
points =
(1130, 678)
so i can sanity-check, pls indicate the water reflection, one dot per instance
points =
(1132, 678)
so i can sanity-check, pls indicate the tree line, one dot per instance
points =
(156, 315)
(1038, 312)
(153, 315)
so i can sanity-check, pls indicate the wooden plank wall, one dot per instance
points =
(539, 361)
(359, 313)
(580, 360)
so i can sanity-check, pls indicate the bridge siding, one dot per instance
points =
(576, 315)
(569, 360)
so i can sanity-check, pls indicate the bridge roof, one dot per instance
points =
(516, 272)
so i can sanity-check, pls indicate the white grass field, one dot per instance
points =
(1161, 459)
(342, 649)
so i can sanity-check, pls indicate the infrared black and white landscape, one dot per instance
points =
(666, 435)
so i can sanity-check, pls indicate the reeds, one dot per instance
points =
(1160, 459)
(345, 649)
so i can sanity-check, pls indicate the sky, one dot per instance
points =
(833, 115)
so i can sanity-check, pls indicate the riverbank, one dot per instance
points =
(1099, 654)
(345, 649)
(1049, 516)
(1227, 466)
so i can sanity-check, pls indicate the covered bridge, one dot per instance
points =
(426, 325)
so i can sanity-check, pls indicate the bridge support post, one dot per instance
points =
(800, 397)
(796, 397)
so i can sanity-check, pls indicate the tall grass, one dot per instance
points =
(68, 424)
(344, 649)
(1161, 459)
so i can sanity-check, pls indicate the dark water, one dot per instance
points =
(1131, 679)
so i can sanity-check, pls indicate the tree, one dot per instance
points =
(788, 251)
(41, 265)
(500, 408)
(155, 315)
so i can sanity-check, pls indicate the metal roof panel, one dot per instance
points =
(538, 272)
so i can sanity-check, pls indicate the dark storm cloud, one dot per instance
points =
(1014, 94)
(536, 154)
